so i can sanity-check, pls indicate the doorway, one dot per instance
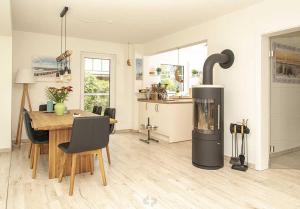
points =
(97, 80)
(285, 101)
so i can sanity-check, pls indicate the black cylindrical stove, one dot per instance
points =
(208, 131)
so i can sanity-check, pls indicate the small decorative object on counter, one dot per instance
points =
(194, 72)
(162, 91)
(59, 95)
(154, 92)
(49, 106)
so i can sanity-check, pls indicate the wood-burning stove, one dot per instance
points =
(208, 132)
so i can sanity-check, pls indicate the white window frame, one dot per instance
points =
(112, 81)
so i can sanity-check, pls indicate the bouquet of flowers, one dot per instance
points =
(58, 95)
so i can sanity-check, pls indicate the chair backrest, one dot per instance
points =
(97, 110)
(111, 113)
(43, 107)
(89, 133)
(28, 127)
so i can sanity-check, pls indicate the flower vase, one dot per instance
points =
(59, 109)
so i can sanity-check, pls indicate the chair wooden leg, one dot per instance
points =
(30, 148)
(102, 167)
(32, 156)
(108, 154)
(62, 167)
(35, 160)
(73, 171)
(92, 158)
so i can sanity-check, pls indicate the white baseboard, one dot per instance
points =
(5, 150)
(276, 154)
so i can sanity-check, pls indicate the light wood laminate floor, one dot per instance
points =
(286, 161)
(146, 176)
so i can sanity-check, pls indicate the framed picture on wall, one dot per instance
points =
(44, 68)
(139, 69)
(285, 63)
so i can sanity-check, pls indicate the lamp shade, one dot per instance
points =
(24, 76)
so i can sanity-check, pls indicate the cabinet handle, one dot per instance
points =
(146, 106)
(157, 108)
(218, 117)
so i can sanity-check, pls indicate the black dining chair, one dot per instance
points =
(43, 107)
(89, 135)
(37, 138)
(111, 113)
(97, 110)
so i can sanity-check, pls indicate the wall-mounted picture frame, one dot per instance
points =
(44, 68)
(139, 69)
(285, 63)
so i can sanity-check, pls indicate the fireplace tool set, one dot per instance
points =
(239, 161)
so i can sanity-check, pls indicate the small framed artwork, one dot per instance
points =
(285, 64)
(139, 69)
(44, 68)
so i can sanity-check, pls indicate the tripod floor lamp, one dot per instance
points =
(25, 77)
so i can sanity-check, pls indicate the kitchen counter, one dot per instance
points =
(169, 101)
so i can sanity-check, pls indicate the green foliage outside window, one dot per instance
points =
(95, 84)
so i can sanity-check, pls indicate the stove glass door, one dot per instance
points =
(205, 113)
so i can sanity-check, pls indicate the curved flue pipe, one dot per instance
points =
(225, 60)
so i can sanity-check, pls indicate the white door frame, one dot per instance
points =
(112, 84)
(264, 141)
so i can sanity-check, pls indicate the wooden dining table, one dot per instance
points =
(59, 128)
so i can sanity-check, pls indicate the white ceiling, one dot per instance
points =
(135, 21)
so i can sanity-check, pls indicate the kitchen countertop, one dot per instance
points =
(169, 101)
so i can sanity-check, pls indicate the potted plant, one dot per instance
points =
(194, 72)
(158, 70)
(59, 95)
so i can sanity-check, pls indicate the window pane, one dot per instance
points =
(88, 64)
(95, 84)
(172, 76)
(105, 65)
(90, 101)
(96, 66)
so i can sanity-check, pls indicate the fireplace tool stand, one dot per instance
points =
(240, 162)
(149, 128)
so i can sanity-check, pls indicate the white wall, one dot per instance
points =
(5, 91)
(241, 31)
(6, 77)
(26, 45)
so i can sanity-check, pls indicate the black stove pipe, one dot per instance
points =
(225, 60)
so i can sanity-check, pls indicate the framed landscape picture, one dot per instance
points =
(285, 63)
(44, 68)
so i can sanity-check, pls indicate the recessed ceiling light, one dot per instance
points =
(109, 21)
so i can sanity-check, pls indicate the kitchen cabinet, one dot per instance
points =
(174, 120)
